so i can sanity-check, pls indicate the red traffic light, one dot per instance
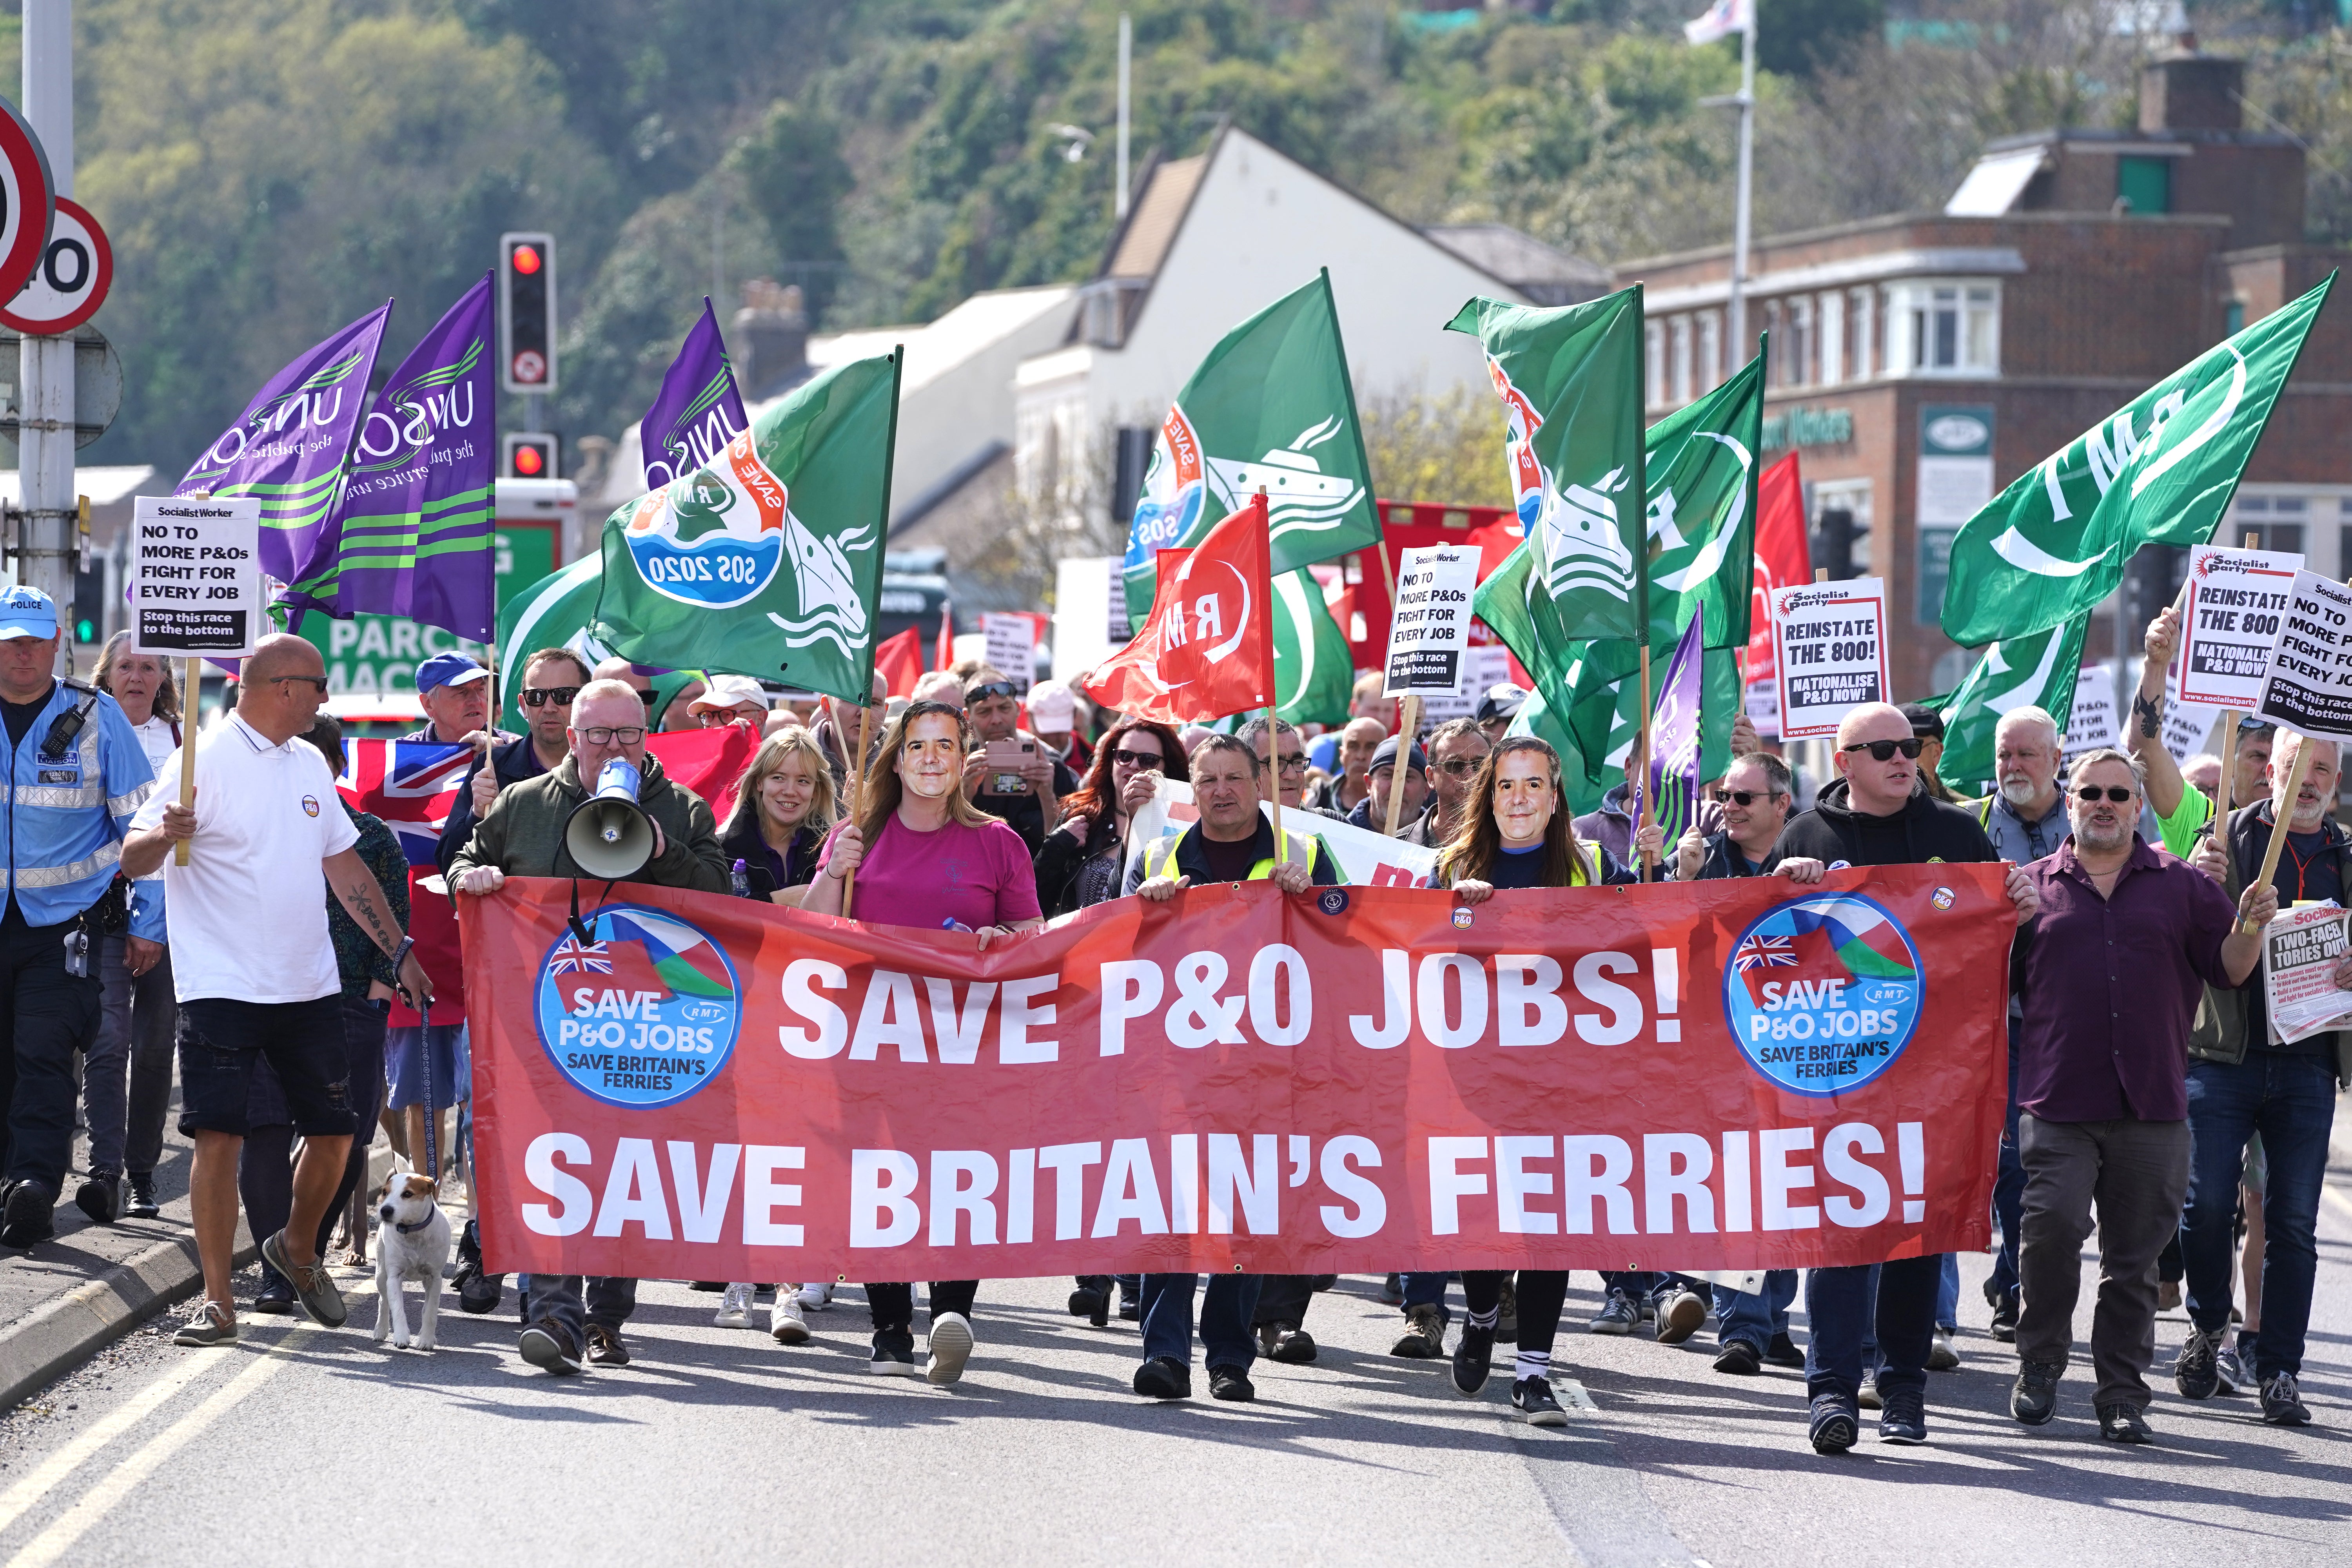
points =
(529, 462)
(525, 259)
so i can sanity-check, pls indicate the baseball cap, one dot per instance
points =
(1926, 722)
(1385, 756)
(729, 691)
(1501, 701)
(27, 612)
(1052, 706)
(449, 670)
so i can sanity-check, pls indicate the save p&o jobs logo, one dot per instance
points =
(1823, 992)
(644, 1014)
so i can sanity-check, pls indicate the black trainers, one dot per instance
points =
(1680, 1315)
(1532, 1398)
(480, 1293)
(2034, 1400)
(312, 1286)
(1507, 1309)
(1739, 1358)
(1164, 1378)
(1091, 1299)
(1781, 1350)
(1424, 1335)
(2123, 1424)
(1292, 1346)
(2194, 1372)
(1903, 1416)
(894, 1354)
(28, 1216)
(1621, 1314)
(549, 1346)
(2282, 1404)
(604, 1346)
(275, 1298)
(101, 1196)
(141, 1203)
(2004, 1317)
(1473, 1358)
(1230, 1383)
(1836, 1423)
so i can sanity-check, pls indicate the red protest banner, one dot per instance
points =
(1720, 1074)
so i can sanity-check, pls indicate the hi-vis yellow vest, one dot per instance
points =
(1161, 854)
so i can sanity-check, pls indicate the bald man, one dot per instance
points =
(1877, 814)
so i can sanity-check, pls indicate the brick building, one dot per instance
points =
(1920, 363)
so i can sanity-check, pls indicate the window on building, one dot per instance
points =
(1858, 305)
(1710, 351)
(1944, 329)
(2275, 521)
(1654, 365)
(1833, 308)
(2144, 184)
(1802, 346)
(2233, 317)
(1777, 372)
(1678, 366)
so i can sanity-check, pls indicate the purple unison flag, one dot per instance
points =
(289, 446)
(698, 410)
(1674, 737)
(412, 535)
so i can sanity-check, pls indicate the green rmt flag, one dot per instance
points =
(1571, 382)
(1269, 408)
(2159, 470)
(766, 562)
(2036, 670)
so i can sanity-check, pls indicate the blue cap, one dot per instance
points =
(449, 669)
(27, 612)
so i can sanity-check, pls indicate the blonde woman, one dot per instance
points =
(926, 857)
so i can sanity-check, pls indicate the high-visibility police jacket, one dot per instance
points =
(66, 814)
(1180, 855)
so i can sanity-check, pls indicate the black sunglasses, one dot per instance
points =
(992, 688)
(1749, 796)
(2116, 793)
(541, 696)
(1152, 760)
(1461, 767)
(1885, 751)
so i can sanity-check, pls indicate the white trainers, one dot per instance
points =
(784, 1319)
(1942, 1354)
(735, 1307)
(950, 1347)
(815, 1298)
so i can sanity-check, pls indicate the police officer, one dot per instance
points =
(76, 774)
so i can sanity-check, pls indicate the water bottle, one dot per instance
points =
(738, 878)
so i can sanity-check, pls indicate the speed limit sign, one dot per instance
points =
(28, 200)
(66, 290)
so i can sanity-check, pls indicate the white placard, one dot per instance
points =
(1763, 698)
(2229, 621)
(2308, 685)
(1484, 666)
(1829, 642)
(2187, 731)
(1430, 625)
(196, 576)
(2091, 722)
(1952, 490)
(1011, 646)
(2299, 953)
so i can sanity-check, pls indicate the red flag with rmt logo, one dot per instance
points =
(1207, 650)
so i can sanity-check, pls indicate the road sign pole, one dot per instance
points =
(46, 441)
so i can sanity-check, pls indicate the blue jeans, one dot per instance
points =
(2291, 1101)
(562, 1297)
(2008, 1191)
(1227, 1308)
(1426, 1291)
(1842, 1307)
(1948, 1305)
(1755, 1317)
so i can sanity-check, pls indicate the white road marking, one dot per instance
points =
(1572, 1393)
(67, 1459)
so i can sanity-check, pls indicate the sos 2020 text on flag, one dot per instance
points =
(1723, 1075)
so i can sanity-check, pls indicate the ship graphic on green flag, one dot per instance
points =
(1270, 408)
(766, 562)
(2159, 470)
(2035, 671)
(553, 612)
(1313, 665)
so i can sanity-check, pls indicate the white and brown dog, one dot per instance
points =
(414, 1244)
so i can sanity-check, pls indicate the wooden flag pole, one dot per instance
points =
(1408, 727)
(2279, 828)
(1273, 750)
(193, 682)
(858, 796)
(1643, 775)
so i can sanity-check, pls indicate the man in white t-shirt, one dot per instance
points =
(254, 966)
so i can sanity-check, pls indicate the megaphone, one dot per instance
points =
(609, 835)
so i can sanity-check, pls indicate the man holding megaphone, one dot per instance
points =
(607, 812)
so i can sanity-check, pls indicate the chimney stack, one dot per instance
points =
(773, 326)
(2185, 90)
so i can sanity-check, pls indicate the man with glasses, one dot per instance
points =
(76, 773)
(1875, 814)
(1754, 798)
(1289, 761)
(1457, 750)
(2111, 976)
(522, 835)
(1026, 794)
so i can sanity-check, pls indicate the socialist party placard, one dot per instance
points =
(2308, 682)
(1431, 627)
(1831, 647)
(2229, 619)
(196, 576)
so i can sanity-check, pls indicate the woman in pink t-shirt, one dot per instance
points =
(926, 857)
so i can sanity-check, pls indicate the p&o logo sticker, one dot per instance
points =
(1332, 901)
(1823, 992)
(644, 1014)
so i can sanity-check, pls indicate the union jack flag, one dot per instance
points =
(570, 957)
(1765, 952)
(411, 785)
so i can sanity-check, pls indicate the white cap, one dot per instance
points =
(729, 691)
(1052, 706)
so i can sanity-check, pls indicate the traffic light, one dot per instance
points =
(532, 454)
(527, 316)
(90, 605)
(1832, 545)
(2150, 581)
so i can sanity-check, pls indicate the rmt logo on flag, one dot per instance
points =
(411, 785)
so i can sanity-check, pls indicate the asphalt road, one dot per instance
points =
(301, 1445)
